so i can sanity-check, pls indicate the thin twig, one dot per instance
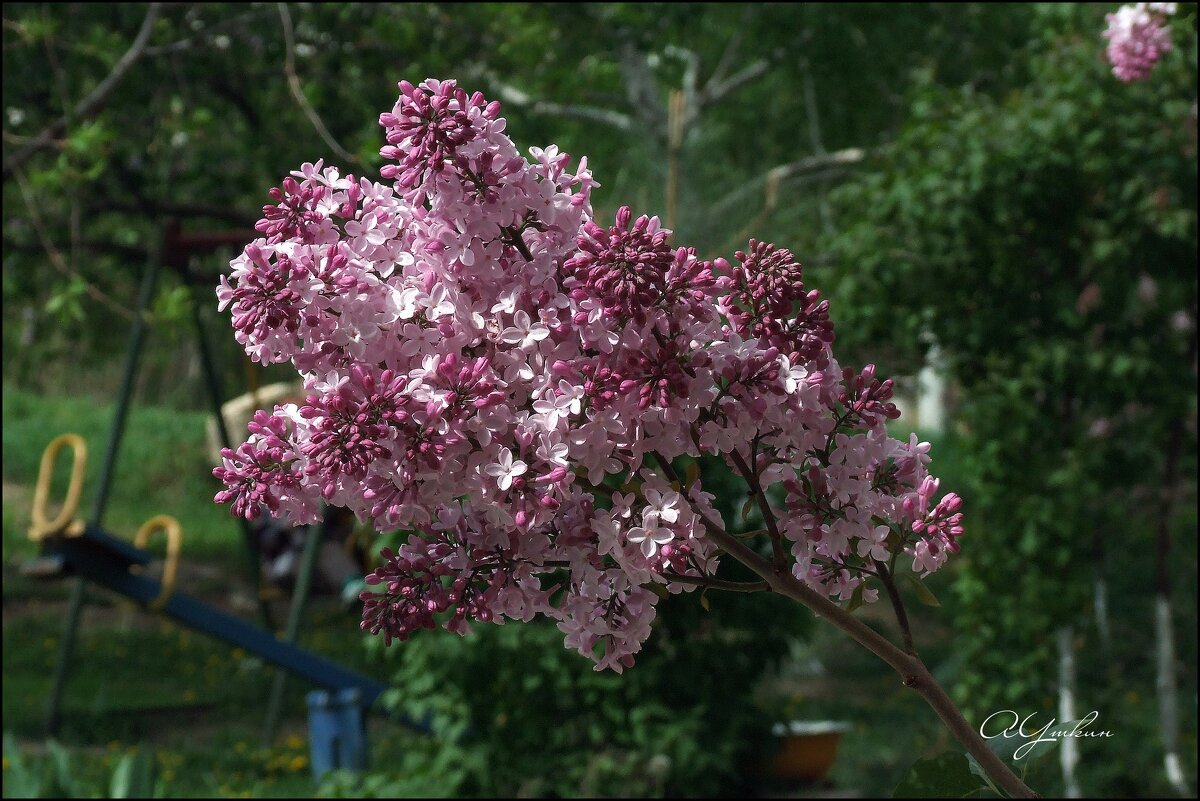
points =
(516, 239)
(835, 161)
(289, 68)
(666, 467)
(90, 104)
(889, 583)
(515, 97)
(55, 255)
(719, 584)
(765, 507)
(715, 93)
(726, 61)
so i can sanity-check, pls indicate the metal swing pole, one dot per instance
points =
(314, 536)
(66, 646)
(216, 394)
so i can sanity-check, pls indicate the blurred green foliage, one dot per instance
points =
(1045, 243)
(57, 775)
(523, 716)
(203, 124)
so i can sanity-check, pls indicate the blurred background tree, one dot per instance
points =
(108, 134)
(1045, 243)
(969, 177)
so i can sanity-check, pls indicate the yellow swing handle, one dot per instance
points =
(169, 526)
(64, 522)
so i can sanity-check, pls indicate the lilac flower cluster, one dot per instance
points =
(1138, 36)
(489, 367)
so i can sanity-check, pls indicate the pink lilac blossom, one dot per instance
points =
(1138, 36)
(493, 370)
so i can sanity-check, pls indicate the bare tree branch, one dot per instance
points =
(55, 255)
(641, 90)
(90, 104)
(726, 61)
(829, 162)
(515, 97)
(714, 93)
(289, 67)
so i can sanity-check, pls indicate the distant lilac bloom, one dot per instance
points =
(1138, 36)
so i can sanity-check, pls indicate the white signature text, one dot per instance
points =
(1007, 723)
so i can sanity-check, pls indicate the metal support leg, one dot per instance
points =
(216, 394)
(337, 731)
(66, 649)
(133, 354)
(312, 546)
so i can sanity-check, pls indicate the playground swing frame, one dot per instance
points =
(336, 713)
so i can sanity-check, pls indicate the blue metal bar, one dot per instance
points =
(101, 558)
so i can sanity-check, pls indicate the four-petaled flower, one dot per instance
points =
(506, 469)
(650, 537)
(524, 332)
(661, 506)
(563, 402)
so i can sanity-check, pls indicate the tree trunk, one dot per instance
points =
(1068, 754)
(1164, 634)
(1168, 695)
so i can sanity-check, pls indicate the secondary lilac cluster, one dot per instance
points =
(490, 368)
(260, 470)
(623, 268)
(1138, 36)
(769, 302)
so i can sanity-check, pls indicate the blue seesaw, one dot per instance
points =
(69, 546)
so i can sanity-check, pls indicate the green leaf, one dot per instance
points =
(704, 600)
(946, 775)
(758, 532)
(20, 780)
(63, 776)
(856, 599)
(693, 474)
(657, 589)
(924, 595)
(746, 507)
(118, 786)
(142, 775)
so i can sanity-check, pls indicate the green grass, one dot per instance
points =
(163, 467)
(199, 704)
